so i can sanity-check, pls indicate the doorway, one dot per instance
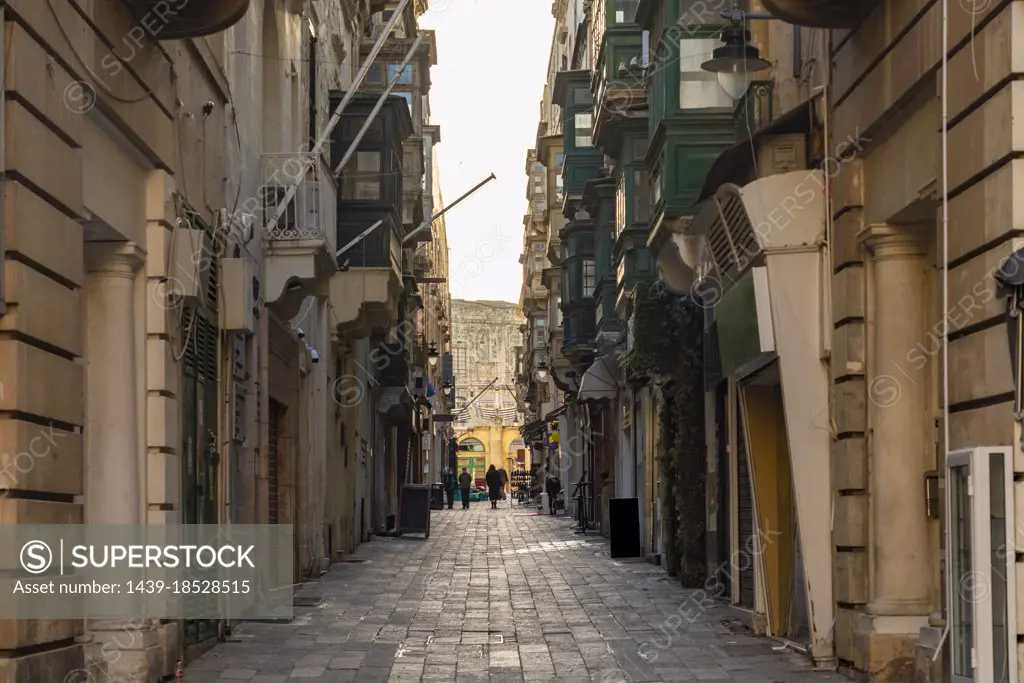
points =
(778, 542)
(744, 558)
(277, 412)
(200, 461)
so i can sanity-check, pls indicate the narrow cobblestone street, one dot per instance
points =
(501, 596)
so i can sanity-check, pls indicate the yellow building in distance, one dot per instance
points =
(498, 445)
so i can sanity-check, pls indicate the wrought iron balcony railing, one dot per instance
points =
(309, 214)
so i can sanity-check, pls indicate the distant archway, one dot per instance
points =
(471, 458)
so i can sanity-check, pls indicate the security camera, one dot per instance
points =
(298, 331)
(314, 355)
(208, 108)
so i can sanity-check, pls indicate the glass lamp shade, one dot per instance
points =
(542, 373)
(736, 62)
(432, 360)
(735, 83)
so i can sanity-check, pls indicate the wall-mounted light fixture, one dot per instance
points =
(542, 371)
(736, 62)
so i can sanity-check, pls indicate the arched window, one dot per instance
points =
(470, 458)
(472, 445)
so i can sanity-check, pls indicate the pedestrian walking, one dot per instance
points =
(448, 481)
(465, 481)
(493, 479)
(504, 482)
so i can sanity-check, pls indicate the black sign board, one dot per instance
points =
(624, 534)
(414, 510)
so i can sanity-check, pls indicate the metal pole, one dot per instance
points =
(466, 407)
(377, 107)
(430, 221)
(515, 398)
(325, 135)
(356, 241)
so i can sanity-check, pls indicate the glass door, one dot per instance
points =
(981, 591)
(961, 607)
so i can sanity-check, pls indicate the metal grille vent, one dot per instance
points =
(734, 244)
(742, 232)
(718, 243)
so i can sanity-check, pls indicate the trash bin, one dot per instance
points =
(437, 497)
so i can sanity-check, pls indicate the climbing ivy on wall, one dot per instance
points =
(669, 333)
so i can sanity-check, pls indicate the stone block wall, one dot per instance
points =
(886, 89)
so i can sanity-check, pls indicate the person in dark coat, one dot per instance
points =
(448, 481)
(493, 479)
(504, 482)
(465, 481)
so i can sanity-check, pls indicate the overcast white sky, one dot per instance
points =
(492, 58)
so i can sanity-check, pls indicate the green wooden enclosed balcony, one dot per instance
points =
(599, 200)
(582, 159)
(578, 282)
(690, 120)
(633, 262)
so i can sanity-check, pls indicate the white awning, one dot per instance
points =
(600, 381)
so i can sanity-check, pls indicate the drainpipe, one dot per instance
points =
(325, 135)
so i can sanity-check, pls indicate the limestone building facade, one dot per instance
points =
(170, 350)
(485, 334)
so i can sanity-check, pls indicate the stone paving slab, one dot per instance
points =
(499, 595)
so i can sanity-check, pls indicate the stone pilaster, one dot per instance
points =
(899, 442)
(128, 648)
(112, 417)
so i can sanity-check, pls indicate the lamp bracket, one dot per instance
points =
(741, 16)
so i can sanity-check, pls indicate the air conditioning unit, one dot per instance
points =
(190, 261)
(237, 295)
(781, 154)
